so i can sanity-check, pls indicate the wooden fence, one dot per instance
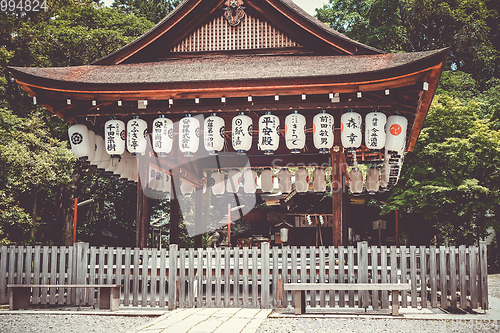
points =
(446, 277)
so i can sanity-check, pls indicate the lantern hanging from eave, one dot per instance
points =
(80, 142)
(384, 175)
(295, 132)
(99, 156)
(137, 134)
(167, 183)
(106, 159)
(204, 181)
(163, 135)
(186, 188)
(356, 181)
(323, 131)
(214, 134)
(217, 183)
(269, 130)
(302, 180)
(124, 165)
(189, 135)
(267, 180)
(152, 177)
(319, 180)
(119, 165)
(372, 180)
(375, 130)
(112, 165)
(285, 181)
(394, 161)
(242, 129)
(350, 129)
(233, 181)
(396, 133)
(250, 181)
(131, 168)
(114, 137)
(91, 156)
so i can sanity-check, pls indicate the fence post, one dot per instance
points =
(363, 272)
(264, 297)
(483, 275)
(172, 275)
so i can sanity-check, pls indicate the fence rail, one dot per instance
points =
(446, 277)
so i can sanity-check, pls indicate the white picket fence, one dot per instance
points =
(250, 277)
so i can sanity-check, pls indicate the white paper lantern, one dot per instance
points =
(375, 130)
(242, 133)
(186, 188)
(120, 165)
(167, 183)
(114, 137)
(295, 132)
(137, 134)
(163, 135)
(350, 128)
(394, 160)
(217, 183)
(152, 177)
(233, 181)
(106, 159)
(372, 180)
(99, 149)
(269, 130)
(214, 134)
(356, 179)
(124, 164)
(396, 133)
(285, 181)
(80, 141)
(267, 180)
(189, 135)
(250, 181)
(91, 156)
(204, 180)
(384, 174)
(319, 180)
(323, 131)
(302, 180)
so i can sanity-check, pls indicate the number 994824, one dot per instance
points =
(23, 5)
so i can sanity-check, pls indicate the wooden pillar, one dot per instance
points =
(174, 210)
(198, 218)
(142, 216)
(337, 198)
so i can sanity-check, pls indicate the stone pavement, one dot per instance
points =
(207, 320)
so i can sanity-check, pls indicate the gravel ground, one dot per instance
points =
(59, 323)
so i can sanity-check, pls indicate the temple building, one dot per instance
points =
(233, 103)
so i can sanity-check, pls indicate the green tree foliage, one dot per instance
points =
(152, 10)
(468, 27)
(450, 186)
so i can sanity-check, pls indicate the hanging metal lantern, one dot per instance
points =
(163, 135)
(319, 180)
(295, 132)
(80, 142)
(137, 134)
(189, 135)
(396, 133)
(250, 181)
(375, 130)
(186, 188)
(233, 181)
(323, 131)
(285, 181)
(356, 179)
(114, 137)
(214, 134)
(372, 180)
(242, 130)
(350, 129)
(302, 180)
(267, 180)
(217, 183)
(269, 130)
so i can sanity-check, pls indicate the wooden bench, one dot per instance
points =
(109, 296)
(300, 289)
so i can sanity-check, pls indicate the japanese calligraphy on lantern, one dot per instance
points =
(323, 131)
(163, 135)
(295, 132)
(350, 128)
(136, 136)
(114, 137)
(269, 128)
(189, 132)
(242, 133)
(214, 134)
(375, 130)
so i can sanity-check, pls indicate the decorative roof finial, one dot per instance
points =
(234, 12)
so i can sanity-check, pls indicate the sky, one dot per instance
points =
(308, 5)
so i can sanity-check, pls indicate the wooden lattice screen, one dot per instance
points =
(218, 35)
